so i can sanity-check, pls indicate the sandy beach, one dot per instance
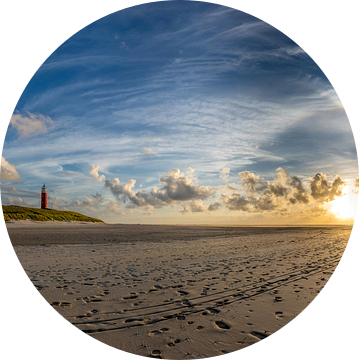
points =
(178, 292)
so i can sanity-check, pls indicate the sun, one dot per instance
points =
(344, 207)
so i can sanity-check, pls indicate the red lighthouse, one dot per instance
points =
(43, 197)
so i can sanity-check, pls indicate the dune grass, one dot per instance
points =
(14, 212)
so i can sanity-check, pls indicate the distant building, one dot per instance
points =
(43, 197)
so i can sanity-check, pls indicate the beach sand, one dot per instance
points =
(178, 292)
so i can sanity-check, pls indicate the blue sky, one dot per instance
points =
(180, 97)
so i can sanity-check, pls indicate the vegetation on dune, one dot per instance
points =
(14, 212)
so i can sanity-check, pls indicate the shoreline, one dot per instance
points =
(35, 222)
(61, 233)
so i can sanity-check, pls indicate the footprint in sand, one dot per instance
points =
(93, 300)
(132, 320)
(58, 303)
(222, 325)
(182, 293)
(156, 354)
(158, 332)
(259, 335)
(210, 311)
(130, 297)
(279, 315)
(173, 343)
(213, 311)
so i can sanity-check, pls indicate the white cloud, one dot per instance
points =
(252, 183)
(224, 173)
(97, 197)
(16, 201)
(322, 190)
(214, 207)
(198, 206)
(9, 189)
(8, 171)
(235, 201)
(148, 152)
(193, 206)
(94, 172)
(86, 203)
(284, 191)
(176, 187)
(32, 124)
(114, 207)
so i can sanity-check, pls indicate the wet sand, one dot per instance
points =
(63, 233)
(178, 292)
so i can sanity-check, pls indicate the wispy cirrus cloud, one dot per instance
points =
(212, 88)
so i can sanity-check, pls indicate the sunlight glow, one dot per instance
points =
(344, 207)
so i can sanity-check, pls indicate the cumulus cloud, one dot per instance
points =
(277, 190)
(193, 206)
(97, 197)
(230, 187)
(323, 191)
(289, 186)
(86, 203)
(224, 173)
(16, 201)
(8, 171)
(114, 207)
(299, 194)
(179, 187)
(266, 202)
(235, 202)
(124, 192)
(94, 172)
(9, 189)
(31, 124)
(283, 191)
(214, 207)
(252, 183)
(176, 187)
(91, 201)
(198, 206)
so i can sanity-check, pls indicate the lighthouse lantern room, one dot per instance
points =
(43, 197)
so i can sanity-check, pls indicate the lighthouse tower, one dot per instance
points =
(43, 197)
